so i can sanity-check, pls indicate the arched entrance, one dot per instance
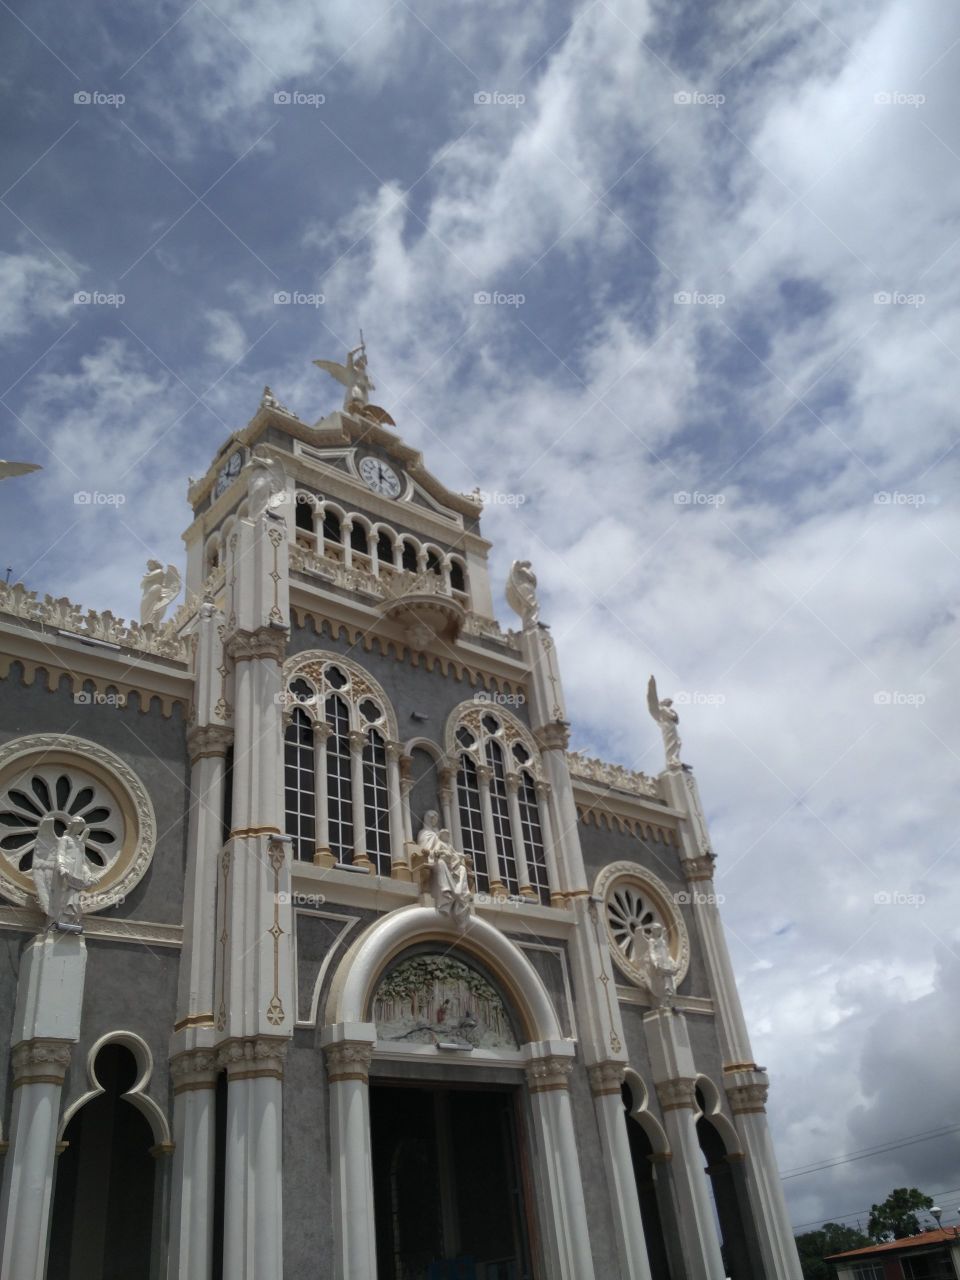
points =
(649, 1153)
(448, 1072)
(725, 1169)
(103, 1207)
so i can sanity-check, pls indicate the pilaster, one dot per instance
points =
(348, 1049)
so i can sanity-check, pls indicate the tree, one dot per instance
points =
(814, 1246)
(897, 1216)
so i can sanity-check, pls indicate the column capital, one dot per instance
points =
(194, 1069)
(748, 1099)
(484, 773)
(406, 770)
(543, 788)
(512, 781)
(447, 776)
(553, 736)
(348, 1060)
(322, 729)
(606, 1077)
(252, 1057)
(358, 739)
(700, 868)
(549, 1073)
(41, 1061)
(265, 642)
(394, 752)
(208, 740)
(678, 1094)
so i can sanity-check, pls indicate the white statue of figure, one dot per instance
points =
(660, 968)
(353, 375)
(522, 592)
(666, 717)
(266, 484)
(61, 873)
(159, 586)
(451, 886)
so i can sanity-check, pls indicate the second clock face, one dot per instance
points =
(380, 477)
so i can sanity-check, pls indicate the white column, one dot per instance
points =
(346, 528)
(605, 1081)
(253, 1199)
(348, 1049)
(406, 782)
(357, 742)
(399, 867)
(321, 732)
(46, 1024)
(516, 830)
(674, 1073)
(194, 1075)
(450, 804)
(494, 873)
(566, 1238)
(544, 792)
(748, 1096)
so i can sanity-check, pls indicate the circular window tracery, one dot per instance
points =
(633, 899)
(58, 779)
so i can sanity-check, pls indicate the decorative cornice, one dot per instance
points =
(265, 642)
(41, 1061)
(62, 615)
(194, 1069)
(547, 1074)
(615, 776)
(252, 1058)
(208, 740)
(606, 1077)
(748, 1099)
(678, 1094)
(348, 1060)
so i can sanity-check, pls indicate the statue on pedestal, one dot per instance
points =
(450, 884)
(158, 588)
(659, 967)
(61, 873)
(266, 484)
(663, 712)
(522, 593)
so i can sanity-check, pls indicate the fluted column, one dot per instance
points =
(566, 1236)
(323, 856)
(194, 1076)
(399, 866)
(348, 1050)
(358, 740)
(519, 845)
(494, 871)
(605, 1081)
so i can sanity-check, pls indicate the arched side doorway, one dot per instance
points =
(446, 1062)
(108, 1181)
(650, 1154)
(725, 1169)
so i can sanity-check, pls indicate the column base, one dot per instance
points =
(527, 891)
(400, 871)
(323, 858)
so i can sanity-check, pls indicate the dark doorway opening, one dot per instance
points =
(102, 1218)
(449, 1200)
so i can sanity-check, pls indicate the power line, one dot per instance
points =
(867, 1152)
(840, 1219)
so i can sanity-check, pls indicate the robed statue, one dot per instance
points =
(522, 592)
(663, 711)
(266, 484)
(450, 882)
(61, 872)
(659, 967)
(159, 586)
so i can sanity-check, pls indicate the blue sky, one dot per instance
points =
(795, 168)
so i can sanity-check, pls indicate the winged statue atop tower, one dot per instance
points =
(159, 586)
(353, 375)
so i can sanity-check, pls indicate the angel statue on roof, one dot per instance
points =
(158, 587)
(353, 375)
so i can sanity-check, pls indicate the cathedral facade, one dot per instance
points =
(327, 958)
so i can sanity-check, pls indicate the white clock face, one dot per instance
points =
(229, 471)
(380, 477)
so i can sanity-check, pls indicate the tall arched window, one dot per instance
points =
(299, 785)
(500, 805)
(533, 837)
(458, 578)
(409, 555)
(342, 779)
(502, 825)
(358, 538)
(384, 548)
(331, 527)
(471, 820)
(339, 780)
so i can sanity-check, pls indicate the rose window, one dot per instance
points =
(628, 914)
(51, 790)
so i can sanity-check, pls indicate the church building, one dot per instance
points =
(325, 957)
